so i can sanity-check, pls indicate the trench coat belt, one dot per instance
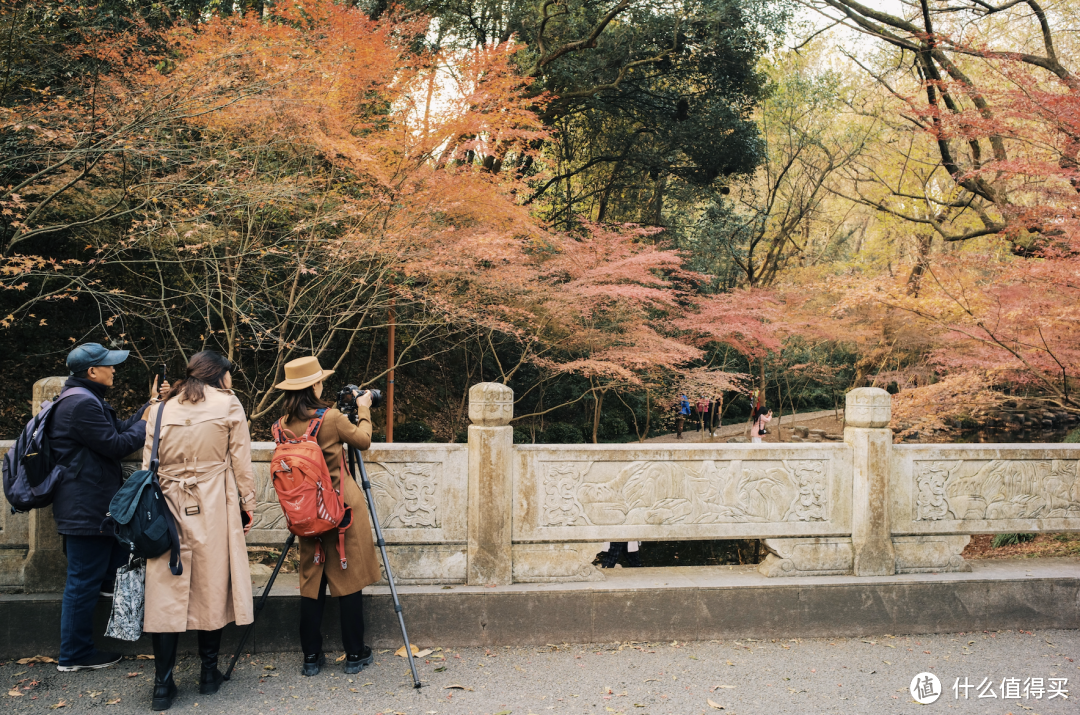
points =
(187, 477)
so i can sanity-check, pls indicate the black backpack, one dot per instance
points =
(140, 516)
(30, 475)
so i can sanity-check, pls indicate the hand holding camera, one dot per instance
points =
(352, 396)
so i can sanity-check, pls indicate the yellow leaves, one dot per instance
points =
(36, 659)
(714, 705)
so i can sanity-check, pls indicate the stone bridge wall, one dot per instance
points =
(493, 512)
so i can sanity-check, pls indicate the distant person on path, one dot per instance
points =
(613, 550)
(206, 475)
(758, 419)
(84, 432)
(684, 412)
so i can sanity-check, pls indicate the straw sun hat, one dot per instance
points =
(303, 372)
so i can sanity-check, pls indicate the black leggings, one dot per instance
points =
(352, 622)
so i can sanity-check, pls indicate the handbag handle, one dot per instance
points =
(175, 565)
(157, 440)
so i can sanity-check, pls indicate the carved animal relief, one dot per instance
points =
(686, 492)
(997, 489)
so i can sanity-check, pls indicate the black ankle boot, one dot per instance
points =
(210, 678)
(313, 663)
(164, 662)
(633, 559)
(355, 663)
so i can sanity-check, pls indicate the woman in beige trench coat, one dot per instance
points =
(206, 475)
(304, 383)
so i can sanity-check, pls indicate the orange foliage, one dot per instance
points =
(320, 140)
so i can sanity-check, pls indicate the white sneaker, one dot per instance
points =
(93, 662)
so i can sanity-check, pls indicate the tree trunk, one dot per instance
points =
(596, 415)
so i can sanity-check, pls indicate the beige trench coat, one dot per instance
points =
(205, 473)
(359, 546)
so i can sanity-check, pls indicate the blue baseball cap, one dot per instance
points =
(90, 355)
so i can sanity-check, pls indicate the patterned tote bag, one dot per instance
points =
(129, 597)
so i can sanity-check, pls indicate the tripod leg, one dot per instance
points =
(262, 602)
(354, 460)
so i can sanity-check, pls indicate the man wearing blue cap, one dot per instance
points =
(85, 431)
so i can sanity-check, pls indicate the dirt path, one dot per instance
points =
(779, 429)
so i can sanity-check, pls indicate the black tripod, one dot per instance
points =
(354, 460)
(262, 602)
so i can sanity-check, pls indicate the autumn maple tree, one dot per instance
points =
(268, 185)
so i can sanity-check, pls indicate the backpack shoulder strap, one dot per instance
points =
(314, 425)
(281, 433)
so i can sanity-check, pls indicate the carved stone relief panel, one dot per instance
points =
(605, 493)
(406, 493)
(996, 489)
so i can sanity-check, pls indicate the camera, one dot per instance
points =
(346, 399)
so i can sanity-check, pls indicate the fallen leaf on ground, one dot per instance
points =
(425, 652)
(457, 687)
(60, 704)
(651, 680)
(730, 663)
(716, 687)
(440, 669)
(133, 675)
(269, 667)
(114, 701)
(36, 659)
(339, 658)
(715, 706)
(14, 693)
(400, 652)
(94, 693)
(504, 712)
(143, 656)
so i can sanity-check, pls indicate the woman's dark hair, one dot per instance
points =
(759, 410)
(205, 368)
(300, 405)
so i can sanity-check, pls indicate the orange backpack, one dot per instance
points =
(305, 490)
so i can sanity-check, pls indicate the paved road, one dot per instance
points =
(869, 675)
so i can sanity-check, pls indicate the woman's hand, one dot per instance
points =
(364, 399)
(159, 391)
(250, 521)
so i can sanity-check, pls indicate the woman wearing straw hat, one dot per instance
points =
(303, 403)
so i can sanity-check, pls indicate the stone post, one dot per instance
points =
(491, 485)
(867, 416)
(46, 566)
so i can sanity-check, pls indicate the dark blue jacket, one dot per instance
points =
(83, 422)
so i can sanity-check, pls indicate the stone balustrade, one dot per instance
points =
(492, 512)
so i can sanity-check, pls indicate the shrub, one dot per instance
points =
(611, 426)
(563, 433)
(413, 432)
(1010, 539)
